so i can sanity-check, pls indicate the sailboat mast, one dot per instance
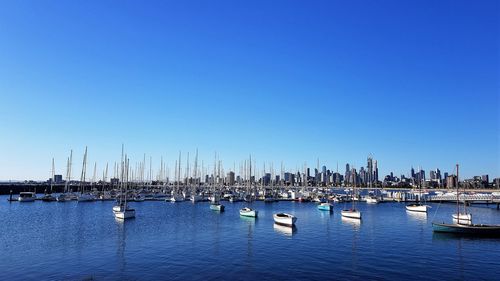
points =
(458, 198)
(52, 175)
(84, 170)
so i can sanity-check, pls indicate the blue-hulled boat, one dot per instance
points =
(463, 223)
(473, 229)
(325, 207)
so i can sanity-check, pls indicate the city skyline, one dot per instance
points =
(164, 168)
(413, 84)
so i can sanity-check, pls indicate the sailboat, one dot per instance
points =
(247, 211)
(216, 205)
(84, 196)
(371, 198)
(176, 195)
(194, 196)
(418, 207)
(122, 211)
(352, 213)
(48, 196)
(462, 222)
(65, 196)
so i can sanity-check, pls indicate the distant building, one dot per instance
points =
(451, 181)
(485, 179)
(58, 179)
(114, 181)
(230, 178)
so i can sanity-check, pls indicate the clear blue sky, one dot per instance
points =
(411, 82)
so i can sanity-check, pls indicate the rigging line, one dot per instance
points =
(435, 213)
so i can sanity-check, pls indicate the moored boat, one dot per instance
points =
(472, 229)
(351, 213)
(325, 207)
(123, 212)
(284, 219)
(26, 197)
(417, 208)
(249, 212)
(462, 222)
(217, 207)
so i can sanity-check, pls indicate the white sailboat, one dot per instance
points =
(176, 194)
(247, 211)
(122, 211)
(47, 197)
(352, 213)
(418, 207)
(84, 196)
(26, 197)
(66, 196)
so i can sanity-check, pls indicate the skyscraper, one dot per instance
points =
(369, 172)
(347, 176)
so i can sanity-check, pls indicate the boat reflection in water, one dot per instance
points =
(356, 223)
(285, 230)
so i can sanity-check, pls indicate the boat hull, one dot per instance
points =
(287, 219)
(474, 229)
(217, 207)
(127, 214)
(351, 214)
(325, 207)
(249, 213)
(417, 208)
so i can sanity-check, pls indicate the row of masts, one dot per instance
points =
(192, 173)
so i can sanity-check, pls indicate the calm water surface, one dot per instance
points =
(185, 241)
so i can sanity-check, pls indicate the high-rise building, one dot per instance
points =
(230, 178)
(451, 181)
(369, 172)
(485, 179)
(347, 176)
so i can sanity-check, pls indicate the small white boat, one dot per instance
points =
(351, 213)
(123, 212)
(26, 197)
(249, 212)
(86, 197)
(284, 219)
(217, 207)
(462, 218)
(417, 208)
(371, 200)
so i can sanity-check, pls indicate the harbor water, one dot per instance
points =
(186, 241)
